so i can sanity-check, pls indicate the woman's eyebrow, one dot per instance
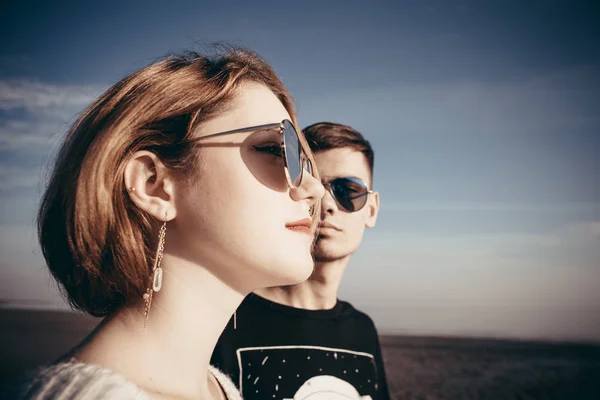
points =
(264, 134)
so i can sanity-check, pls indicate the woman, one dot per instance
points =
(183, 188)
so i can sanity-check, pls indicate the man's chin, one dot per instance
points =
(326, 255)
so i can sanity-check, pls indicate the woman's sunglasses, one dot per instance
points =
(294, 153)
(349, 193)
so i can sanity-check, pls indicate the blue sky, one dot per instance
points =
(484, 117)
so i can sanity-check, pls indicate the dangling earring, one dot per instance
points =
(157, 271)
(235, 320)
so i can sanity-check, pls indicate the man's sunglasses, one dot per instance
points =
(294, 153)
(349, 193)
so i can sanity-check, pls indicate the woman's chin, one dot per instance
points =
(292, 273)
(300, 273)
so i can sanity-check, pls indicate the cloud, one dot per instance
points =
(31, 136)
(406, 206)
(584, 231)
(33, 118)
(42, 109)
(55, 101)
(573, 244)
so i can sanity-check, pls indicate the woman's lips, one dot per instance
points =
(301, 226)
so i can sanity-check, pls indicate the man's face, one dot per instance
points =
(341, 231)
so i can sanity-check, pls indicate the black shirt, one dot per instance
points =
(282, 352)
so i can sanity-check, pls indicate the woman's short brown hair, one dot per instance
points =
(97, 244)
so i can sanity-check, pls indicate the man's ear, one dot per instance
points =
(372, 209)
(149, 185)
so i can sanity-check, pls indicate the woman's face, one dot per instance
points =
(234, 218)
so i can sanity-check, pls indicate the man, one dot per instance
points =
(298, 341)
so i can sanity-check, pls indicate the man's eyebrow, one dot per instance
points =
(332, 177)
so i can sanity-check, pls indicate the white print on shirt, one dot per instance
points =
(301, 372)
(327, 387)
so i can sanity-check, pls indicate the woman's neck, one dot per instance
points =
(171, 354)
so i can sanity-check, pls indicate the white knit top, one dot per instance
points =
(74, 380)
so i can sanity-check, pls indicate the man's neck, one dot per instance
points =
(319, 292)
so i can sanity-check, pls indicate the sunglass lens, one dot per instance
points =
(292, 152)
(308, 166)
(350, 194)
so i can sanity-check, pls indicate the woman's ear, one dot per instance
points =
(149, 185)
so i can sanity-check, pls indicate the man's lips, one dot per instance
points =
(327, 225)
(302, 226)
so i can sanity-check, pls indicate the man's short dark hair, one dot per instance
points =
(329, 135)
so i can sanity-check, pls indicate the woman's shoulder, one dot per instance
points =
(73, 381)
(231, 391)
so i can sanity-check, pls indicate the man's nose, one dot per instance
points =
(328, 204)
